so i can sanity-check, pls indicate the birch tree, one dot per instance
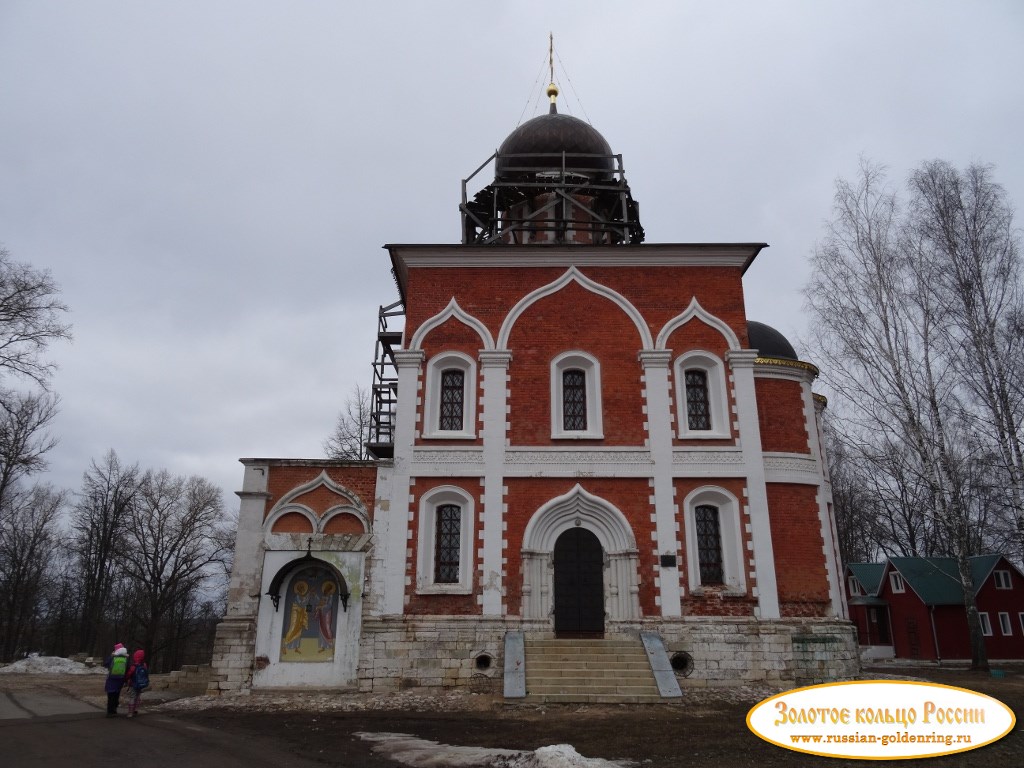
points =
(965, 224)
(883, 331)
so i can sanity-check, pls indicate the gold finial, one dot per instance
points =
(552, 92)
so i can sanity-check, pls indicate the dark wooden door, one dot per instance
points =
(579, 584)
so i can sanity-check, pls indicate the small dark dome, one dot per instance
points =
(768, 342)
(546, 137)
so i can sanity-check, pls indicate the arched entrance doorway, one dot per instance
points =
(579, 584)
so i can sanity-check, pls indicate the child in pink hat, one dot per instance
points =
(117, 668)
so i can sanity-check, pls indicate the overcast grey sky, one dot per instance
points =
(211, 182)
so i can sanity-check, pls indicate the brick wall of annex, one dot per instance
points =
(800, 570)
(361, 480)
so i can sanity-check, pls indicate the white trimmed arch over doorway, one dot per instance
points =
(580, 509)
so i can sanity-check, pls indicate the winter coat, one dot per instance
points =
(114, 682)
(138, 660)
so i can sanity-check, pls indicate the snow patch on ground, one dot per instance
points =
(50, 665)
(421, 753)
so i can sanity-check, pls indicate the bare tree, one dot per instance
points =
(29, 538)
(352, 430)
(171, 545)
(965, 223)
(31, 317)
(24, 441)
(101, 512)
(881, 329)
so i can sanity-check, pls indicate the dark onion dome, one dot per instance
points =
(768, 342)
(543, 140)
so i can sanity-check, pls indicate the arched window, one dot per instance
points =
(698, 415)
(574, 400)
(447, 544)
(453, 396)
(702, 400)
(449, 405)
(709, 544)
(714, 543)
(444, 561)
(576, 397)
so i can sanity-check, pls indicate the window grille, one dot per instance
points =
(709, 544)
(447, 544)
(698, 411)
(574, 400)
(453, 392)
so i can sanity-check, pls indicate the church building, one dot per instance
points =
(582, 451)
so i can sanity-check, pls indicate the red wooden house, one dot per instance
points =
(913, 607)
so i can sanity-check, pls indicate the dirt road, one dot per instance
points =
(706, 729)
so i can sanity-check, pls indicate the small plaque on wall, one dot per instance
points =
(668, 561)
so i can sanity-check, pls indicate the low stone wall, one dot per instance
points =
(432, 652)
(191, 680)
(233, 655)
(728, 651)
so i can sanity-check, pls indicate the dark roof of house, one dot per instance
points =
(868, 574)
(936, 580)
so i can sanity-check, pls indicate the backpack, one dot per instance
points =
(140, 678)
(118, 666)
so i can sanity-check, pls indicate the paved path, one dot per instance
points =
(22, 705)
(40, 729)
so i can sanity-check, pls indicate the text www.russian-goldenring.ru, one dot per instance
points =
(948, 739)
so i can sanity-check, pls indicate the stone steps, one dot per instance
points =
(589, 671)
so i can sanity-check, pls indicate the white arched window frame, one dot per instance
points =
(591, 369)
(718, 399)
(430, 503)
(432, 413)
(729, 530)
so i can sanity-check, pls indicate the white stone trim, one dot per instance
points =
(696, 311)
(604, 520)
(741, 362)
(799, 468)
(429, 502)
(560, 513)
(718, 394)
(591, 368)
(453, 310)
(730, 530)
(436, 366)
(280, 511)
(494, 383)
(571, 275)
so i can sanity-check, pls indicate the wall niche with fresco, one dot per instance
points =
(311, 611)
